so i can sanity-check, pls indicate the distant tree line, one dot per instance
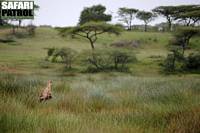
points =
(93, 22)
(187, 15)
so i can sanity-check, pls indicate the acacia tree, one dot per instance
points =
(147, 17)
(127, 15)
(193, 17)
(166, 11)
(184, 35)
(95, 13)
(91, 31)
(189, 15)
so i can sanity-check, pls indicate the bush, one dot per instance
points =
(50, 51)
(104, 60)
(98, 60)
(169, 63)
(69, 57)
(65, 54)
(121, 59)
(174, 61)
(193, 62)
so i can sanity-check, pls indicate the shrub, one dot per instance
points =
(69, 57)
(174, 61)
(65, 54)
(121, 59)
(169, 63)
(50, 51)
(98, 60)
(193, 62)
(104, 60)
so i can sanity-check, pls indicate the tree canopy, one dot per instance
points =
(166, 11)
(127, 15)
(95, 13)
(184, 34)
(189, 15)
(146, 17)
(91, 30)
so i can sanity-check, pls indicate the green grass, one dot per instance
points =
(141, 101)
(27, 56)
(95, 103)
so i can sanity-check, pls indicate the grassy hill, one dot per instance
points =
(143, 100)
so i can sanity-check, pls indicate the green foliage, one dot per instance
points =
(126, 15)
(67, 55)
(186, 14)
(174, 61)
(146, 17)
(98, 60)
(122, 59)
(95, 13)
(189, 15)
(193, 62)
(184, 35)
(50, 52)
(188, 32)
(166, 11)
(91, 31)
(98, 27)
(105, 60)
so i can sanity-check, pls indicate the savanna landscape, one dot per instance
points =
(124, 80)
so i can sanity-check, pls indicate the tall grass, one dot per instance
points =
(100, 103)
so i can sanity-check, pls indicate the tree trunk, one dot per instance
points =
(20, 22)
(91, 43)
(145, 27)
(169, 24)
